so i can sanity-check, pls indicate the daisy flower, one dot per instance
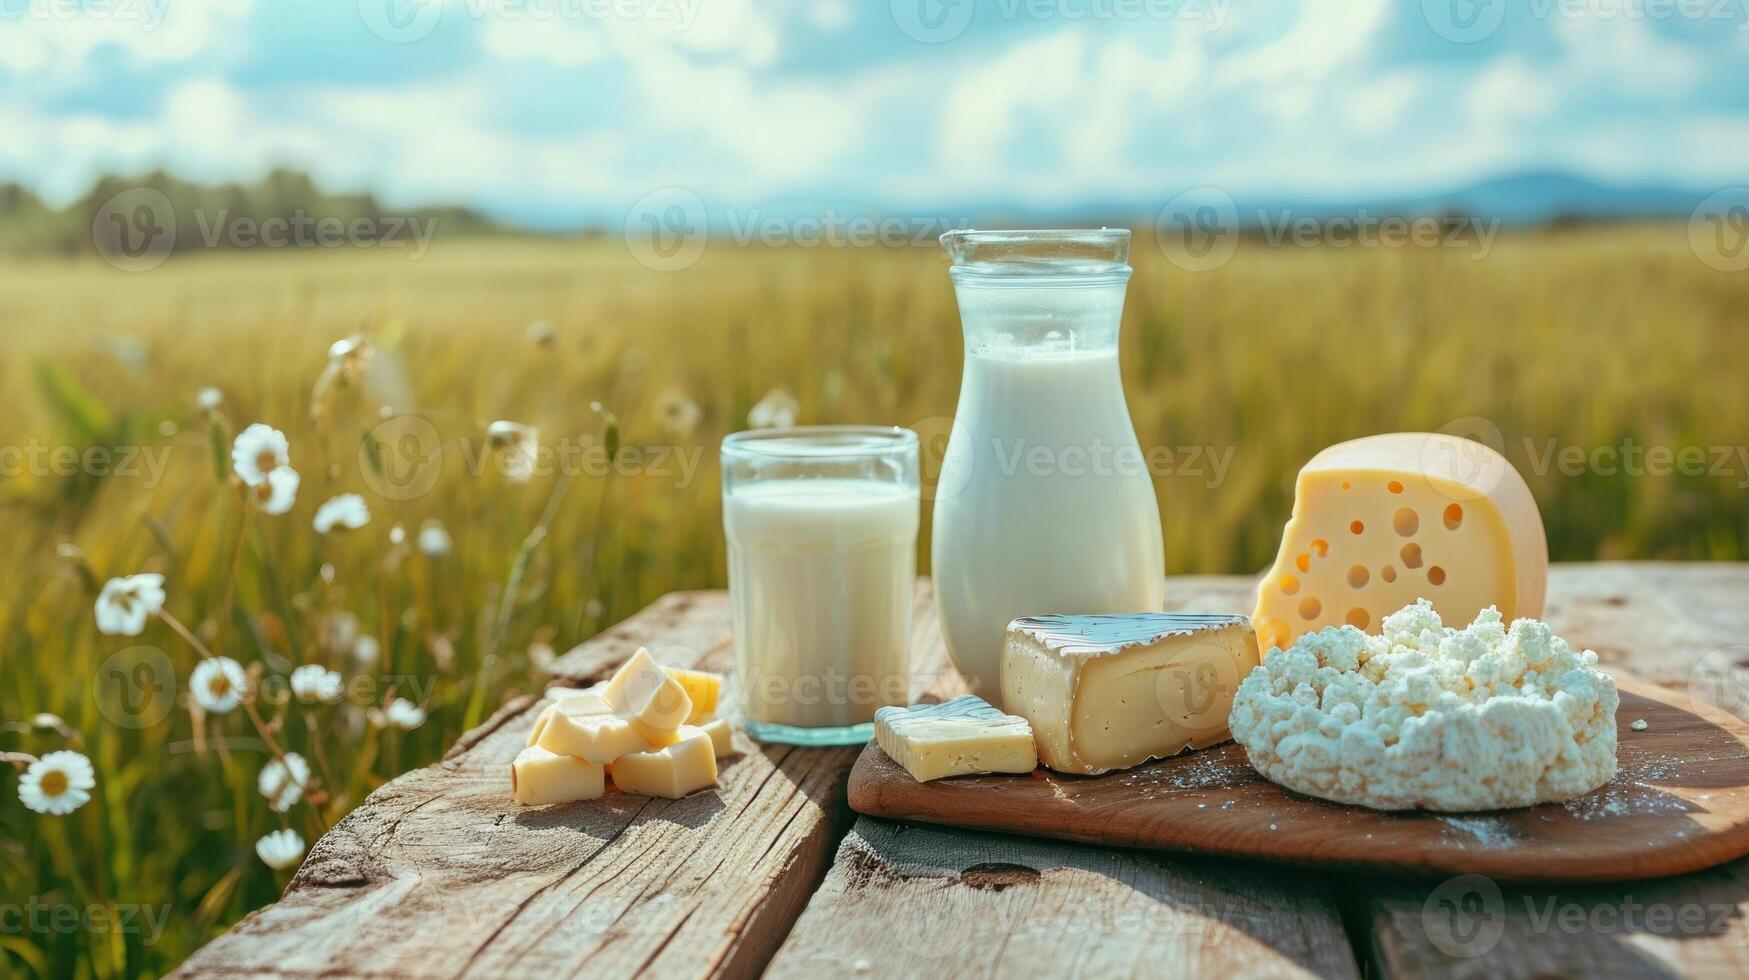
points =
(218, 685)
(517, 445)
(257, 451)
(278, 492)
(679, 414)
(281, 849)
(434, 539)
(282, 781)
(57, 783)
(347, 510)
(313, 682)
(209, 399)
(126, 603)
(403, 714)
(777, 410)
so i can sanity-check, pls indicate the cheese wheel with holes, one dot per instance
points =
(1382, 521)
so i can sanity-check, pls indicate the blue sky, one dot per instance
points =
(564, 110)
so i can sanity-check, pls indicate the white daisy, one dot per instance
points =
(218, 685)
(314, 682)
(282, 781)
(347, 510)
(517, 446)
(404, 714)
(276, 494)
(679, 414)
(257, 451)
(210, 399)
(126, 603)
(777, 410)
(434, 539)
(57, 783)
(281, 849)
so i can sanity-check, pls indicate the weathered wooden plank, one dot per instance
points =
(915, 900)
(438, 873)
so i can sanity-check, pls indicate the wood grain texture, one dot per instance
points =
(439, 874)
(914, 900)
(1679, 802)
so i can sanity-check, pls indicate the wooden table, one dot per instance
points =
(438, 873)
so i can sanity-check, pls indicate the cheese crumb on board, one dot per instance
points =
(539, 777)
(955, 738)
(1382, 521)
(672, 771)
(1107, 692)
(1639, 725)
(1431, 717)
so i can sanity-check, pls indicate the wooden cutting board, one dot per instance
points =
(1679, 802)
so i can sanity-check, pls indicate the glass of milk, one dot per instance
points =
(1045, 503)
(822, 530)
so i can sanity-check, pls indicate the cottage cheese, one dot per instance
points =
(1431, 717)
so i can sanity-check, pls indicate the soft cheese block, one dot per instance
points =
(1109, 692)
(672, 771)
(644, 693)
(597, 738)
(722, 736)
(702, 687)
(955, 738)
(1382, 521)
(579, 701)
(539, 777)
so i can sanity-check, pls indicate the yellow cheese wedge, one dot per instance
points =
(703, 687)
(1382, 521)
(673, 771)
(539, 777)
(597, 738)
(642, 691)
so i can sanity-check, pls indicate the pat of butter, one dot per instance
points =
(703, 687)
(955, 738)
(597, 738)
(1382, 521)
(1110, 692)
(539, 777)
(672, 771)
(643, 692)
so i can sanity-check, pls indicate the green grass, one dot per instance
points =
(1588, 338)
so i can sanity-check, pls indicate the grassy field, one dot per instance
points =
(1576, 342)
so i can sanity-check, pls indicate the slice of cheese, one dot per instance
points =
(539, 777)
(1382, 521)
(597, 738)
(703, 687)
(955, 738)
(643, 692)
(672, 771)
(1110, 692)
(722, 736)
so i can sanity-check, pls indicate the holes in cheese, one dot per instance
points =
(1451, 512)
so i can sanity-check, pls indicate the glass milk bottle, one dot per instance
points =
(1044, 503)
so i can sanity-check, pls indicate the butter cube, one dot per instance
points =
(955, 738)
(597, 738)
(720, 732)
(642, 691)
(539, 777)
(703, 687)
(673, 771)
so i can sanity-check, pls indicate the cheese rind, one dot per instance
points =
(539, 777)
(672, 771)
(1110, 692)
(1383, 521)
(642, 691)
(955, 738)
(702, 687)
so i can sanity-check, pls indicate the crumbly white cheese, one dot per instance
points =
(1426, 716)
